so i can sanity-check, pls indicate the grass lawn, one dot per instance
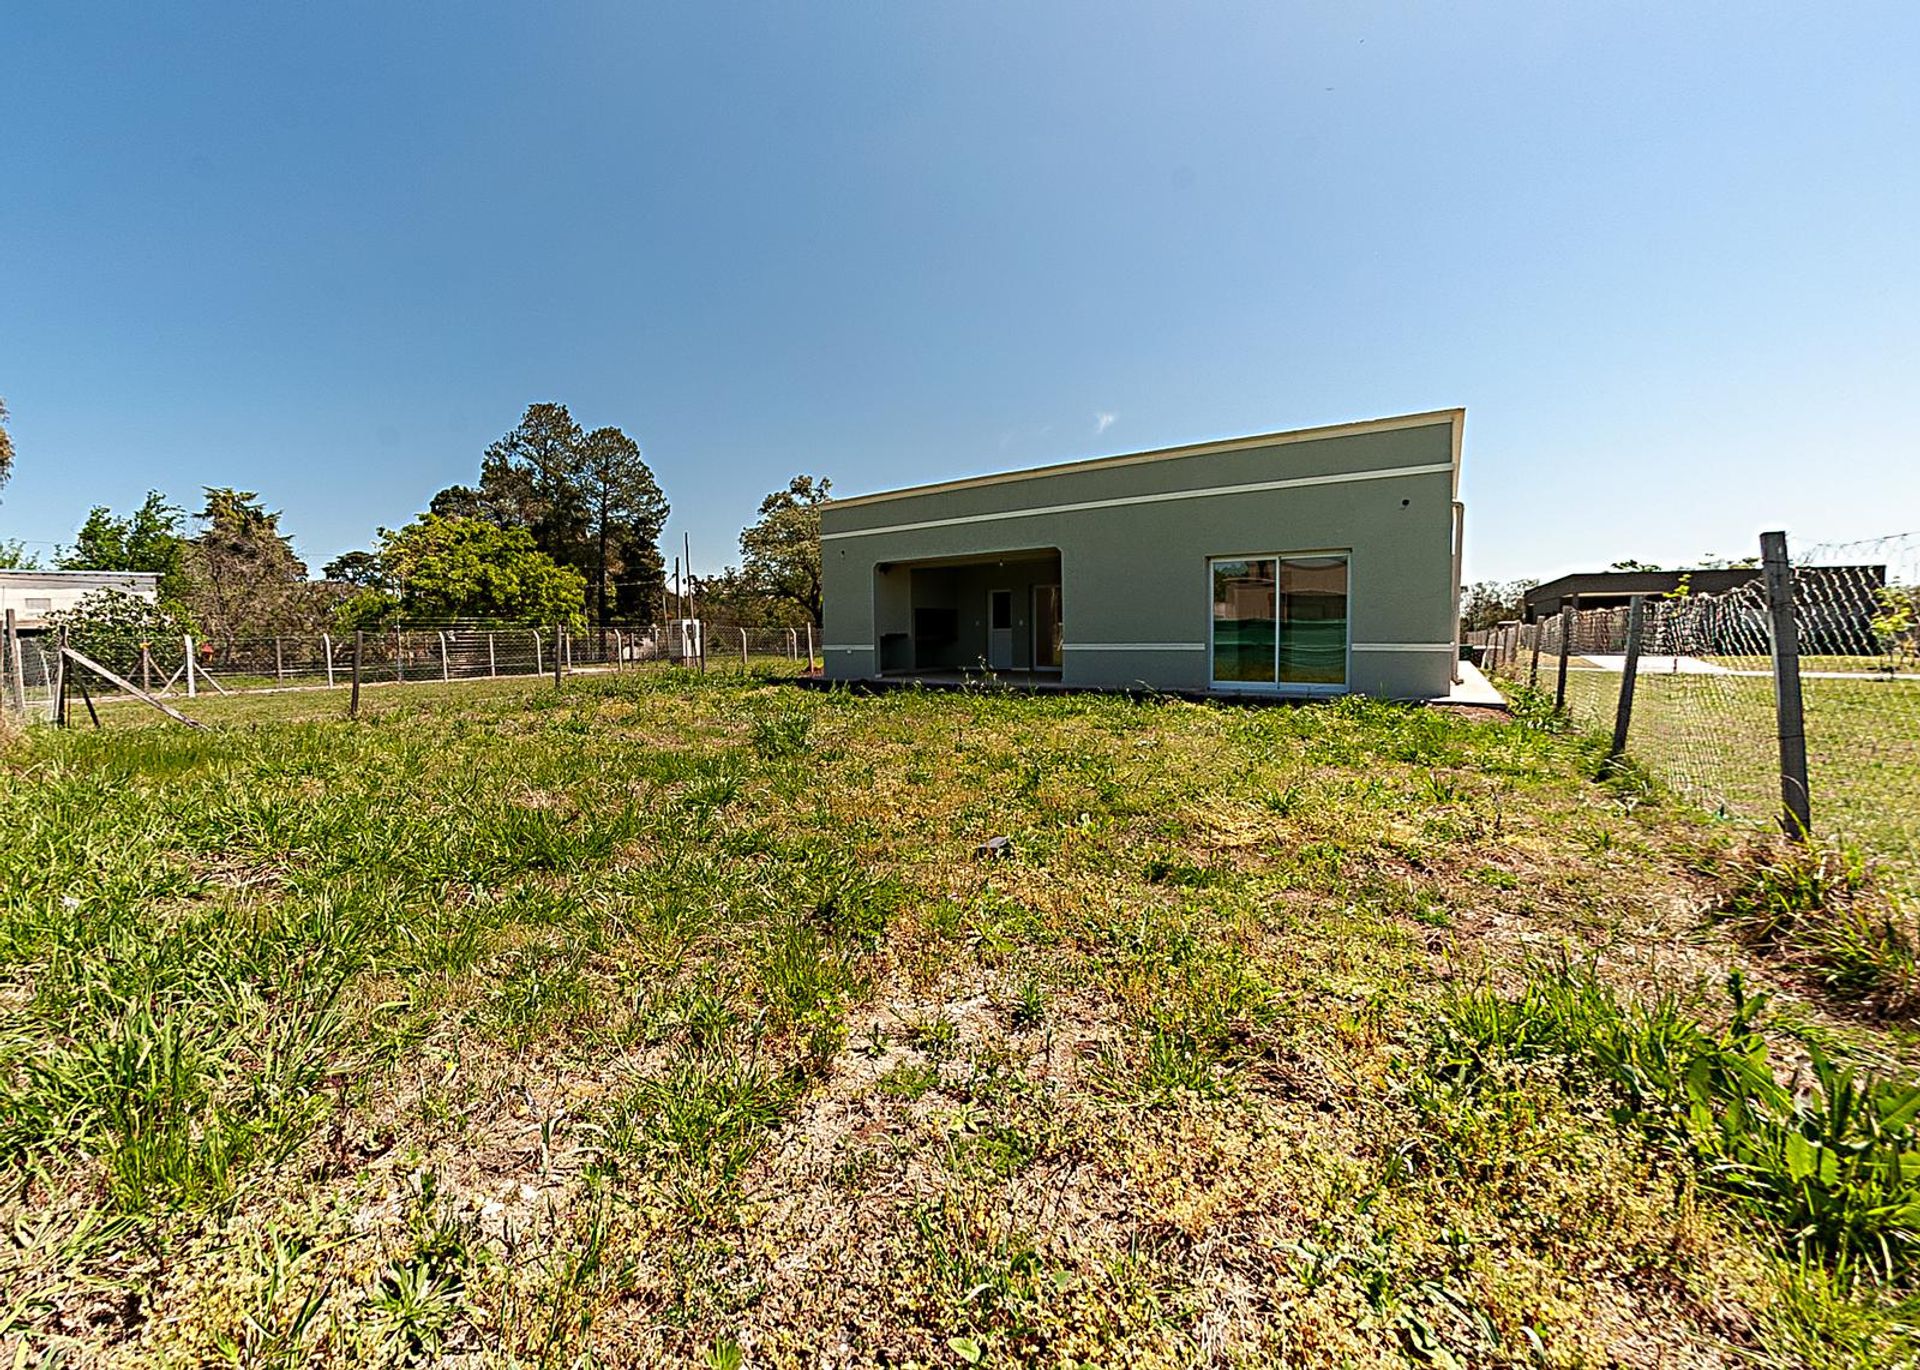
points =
(662, 1019)
(1714, 738)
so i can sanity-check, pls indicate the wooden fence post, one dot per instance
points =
(60, 682)
(1629, 676)
(1569, 624)
(399, 657)
(146, 668)
(279, 664)
(1796, 798)
(1533, 671)
(16, 690)
(353, 704)
(743, 649)
(537, 668)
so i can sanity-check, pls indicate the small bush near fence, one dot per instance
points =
(1704, 715)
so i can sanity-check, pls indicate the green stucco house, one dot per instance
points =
(1323, 561)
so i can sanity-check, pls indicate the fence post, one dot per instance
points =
(399, 657)
(743, 649)
(353, 705)
(537, 668)
(1629, 676)
(1533, 671)
(558, 657)
(326, 647)
(146, 668)
(445, 674)
(493, 665)
(279, 664)
(16, 684)
(809, 646)
(186, 641)
(619, 650)
(1569, 621)
(1796, 799)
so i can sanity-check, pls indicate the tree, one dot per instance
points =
(354, 568)
(625, 512)
(468, 569)
(110, 625)
(1487, 603)
(6, 447)
(780, 553)
(244, 579)
(14, 556)
(589, 501)
(149, 539)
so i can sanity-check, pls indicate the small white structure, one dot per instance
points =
(32, 595)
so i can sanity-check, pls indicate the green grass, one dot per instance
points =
(1714, 737)
(669, 1019)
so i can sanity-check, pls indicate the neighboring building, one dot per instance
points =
(1841, 603)
(1315, 562)
(32, 595)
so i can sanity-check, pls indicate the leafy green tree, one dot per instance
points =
(780, 552)
(440, 570)
(6, 447)
(589, 501)
(151, 538)
(14, 556)
(110, 626)
(626, 510)
(1487, 603)
(354, 568)
(244, 578)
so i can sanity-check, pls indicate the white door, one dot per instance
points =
(1000, 629)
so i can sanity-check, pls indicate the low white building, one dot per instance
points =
(32, 595)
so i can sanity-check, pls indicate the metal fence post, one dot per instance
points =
(60, 682)
(1569, 622)
(445, 674)
(186, 641)
(1796, 798)
(558, 657)
(809, 645)
(399, 657)
(16, 682)
(353, 705)
(743, 649)
(326, 647)
(493, 666)
(1629, 676)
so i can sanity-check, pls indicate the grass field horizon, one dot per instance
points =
(668, 1019)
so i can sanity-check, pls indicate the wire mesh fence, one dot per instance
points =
(1705, 708)
(186, 667)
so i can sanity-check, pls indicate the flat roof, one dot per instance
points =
(1428, 419)
(37, 574)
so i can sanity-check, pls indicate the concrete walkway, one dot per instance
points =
(1473, 688)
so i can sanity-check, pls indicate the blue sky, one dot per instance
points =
(1664, 255)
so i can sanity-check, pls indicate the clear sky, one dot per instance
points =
(1667, 256)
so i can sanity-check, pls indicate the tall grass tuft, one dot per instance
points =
(1833, 1165)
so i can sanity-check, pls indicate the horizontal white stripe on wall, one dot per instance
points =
(846, 647)
(1290, 483)
(1134, 647)
(1404, 647)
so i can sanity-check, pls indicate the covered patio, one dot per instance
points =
(954, 618)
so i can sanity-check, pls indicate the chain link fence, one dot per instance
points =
(1704, 708)
(177, 669)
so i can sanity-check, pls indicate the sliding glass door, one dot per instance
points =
(1280, 623)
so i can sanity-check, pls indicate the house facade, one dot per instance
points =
(33, 595)
(1322, 561)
